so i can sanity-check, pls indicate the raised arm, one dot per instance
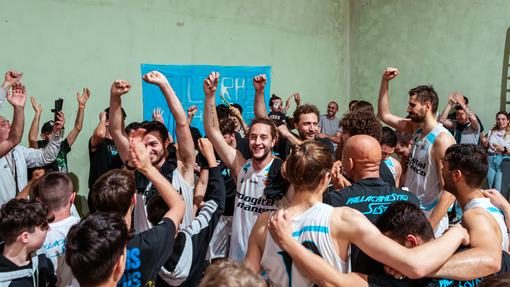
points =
(186, 150)
(140, 159)
(119, 88)
(472, 118)
(259, 106)
(78, 124)
(34, 128)
(444, 115)
(192, 110)
(11, 77)
(100, 131)
(383, 108)
(229, 155)
(18, 99)
(42, 157)
(157, 115)
(446, 199)
(287, 104)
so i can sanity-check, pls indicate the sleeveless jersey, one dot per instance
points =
(250, 202)
(486, 204)
(311, 229)
(422, 174)
(390, 165)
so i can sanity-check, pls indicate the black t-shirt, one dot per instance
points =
(370, 196)
(328, 143)
(386, 280)
(103, 159)
(283, 148)
(46, 272)
(243, 145)
(146, 253)
(60, 163)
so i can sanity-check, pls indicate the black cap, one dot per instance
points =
(47, 127)
(278, 117)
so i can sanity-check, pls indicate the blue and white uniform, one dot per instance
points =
(390, 165)
(311, 229)
(486, 204)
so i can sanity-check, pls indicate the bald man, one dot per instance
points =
(369, 193)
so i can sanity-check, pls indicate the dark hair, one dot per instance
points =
(195, 134)
(388, 137)
(305, 109)
(107, 110)
(308, 163)
(352, 103)
(132, 126)
(54, 189)
(238, 106)
(403, 138)
(403, 218)
(20, 215)
(500, 280)
(266, 121)
(426, 94)
(471, 160)
(273, 98)
(334, 103)
(94, 246)
(113, 191)
(227, 127)
(363, 105)
(496, 127)
(157, 127)
(156, 209)
(362, 122)
(222, 111)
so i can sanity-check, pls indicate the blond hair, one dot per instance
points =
(230, 274)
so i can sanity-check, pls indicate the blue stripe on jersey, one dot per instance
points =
(493, 209)
(431, 137)
(310, 228)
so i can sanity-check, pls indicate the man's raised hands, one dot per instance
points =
(119, 88)
(37, 108)
(155, 78)
(19, 95)
(59, 124)
(82, 100)
(11, 77)
(211, 84)
(390, 74)
(259, 83)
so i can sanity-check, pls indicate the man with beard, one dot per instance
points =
(328, 125)
(253, 176)
(430, 142)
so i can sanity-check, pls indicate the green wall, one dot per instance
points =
(63, 46)
(454, 45)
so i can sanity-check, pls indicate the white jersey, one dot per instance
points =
(141, 223)
(250, 203)
(311, 229)
(389, 164)
(486, 204)
(55, 247)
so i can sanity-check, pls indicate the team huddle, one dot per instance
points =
(307, 200)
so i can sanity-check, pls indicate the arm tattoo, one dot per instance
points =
(469, 113)
(212, 114)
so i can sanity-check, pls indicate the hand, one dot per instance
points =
(485, 142)
(390, 74)
(496, 198)
(337, 179)
(19, 96)
(192, 110)
(498, 147)
(462, 231)
(460, 98)
(138, 155)
(259, 83)
(297, 99)
(321, 135)
(392, 272)
(155, 78)
(451, 99)
(206, 148)
(102, 116)
(234, 111)
(287, 102)
(280, 227)
(119, 88)
(36, 175)
(211, 84)
(37, 108)
(157, 115)
(59, 124)
(82, 100)
(12, 77)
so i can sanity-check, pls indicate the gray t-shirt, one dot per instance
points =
(469, 134)
(329, 127)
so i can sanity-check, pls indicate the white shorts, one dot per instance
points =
(220, 242)
(441, 227)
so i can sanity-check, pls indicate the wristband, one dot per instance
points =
(81, 107)
(505, 150)
(285, 135)
(129, 167)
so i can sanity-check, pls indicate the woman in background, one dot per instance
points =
(497, 144)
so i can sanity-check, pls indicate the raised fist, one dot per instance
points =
(259, 83)
(155, 78)
(390, 74)
(119, 88)
(211, 84)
